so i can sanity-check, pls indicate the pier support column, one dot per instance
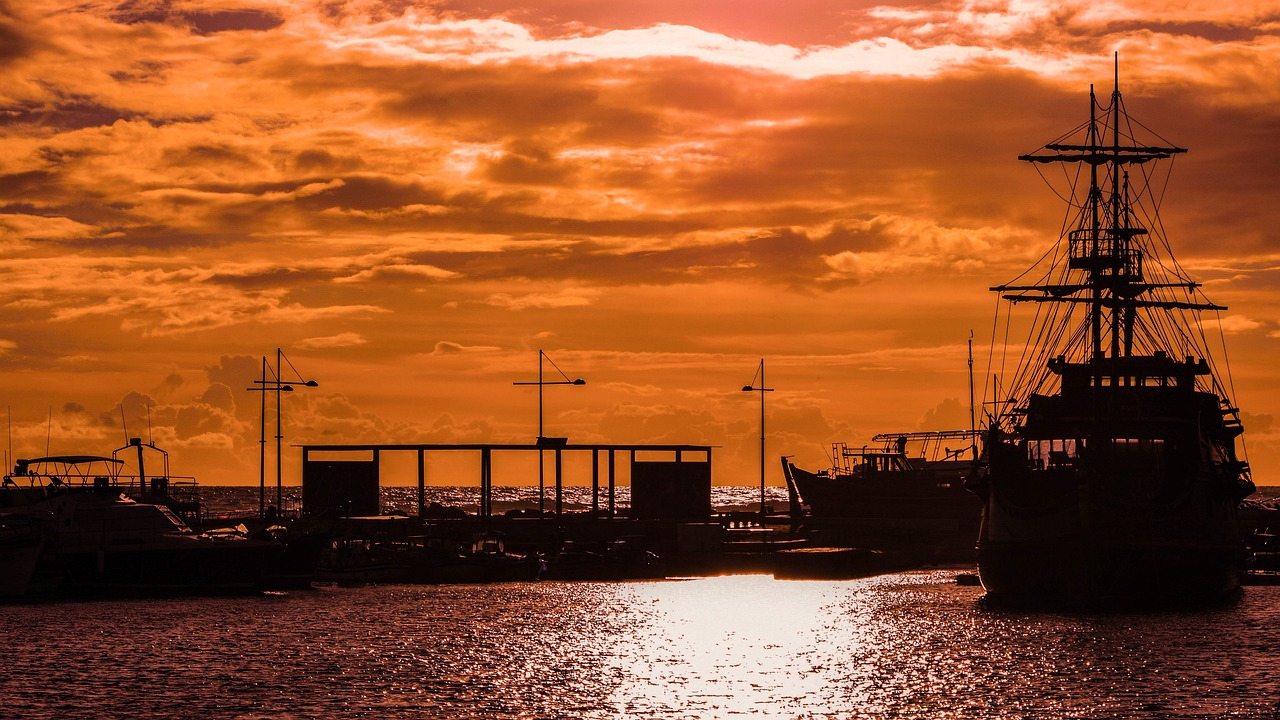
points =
(559, 482)
(595, 483)
(377, 474)
(612, 458)
(422, 481)
(486, 483)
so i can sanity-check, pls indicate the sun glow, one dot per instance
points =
(830, 186)
(745, 644)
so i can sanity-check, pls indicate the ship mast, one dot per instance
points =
(1104, 244)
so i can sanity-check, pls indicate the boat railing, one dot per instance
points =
(179, 493)
(840, 457)
(929, 444)
(130, 485)
(1106, 248)
(865, 459)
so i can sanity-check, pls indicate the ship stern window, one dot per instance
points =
(1137, 465)
(1053, 453)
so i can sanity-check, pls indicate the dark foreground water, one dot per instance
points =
(912, 645)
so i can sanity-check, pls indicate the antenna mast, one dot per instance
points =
(973, 420)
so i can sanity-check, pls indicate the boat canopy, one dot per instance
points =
(72, 459)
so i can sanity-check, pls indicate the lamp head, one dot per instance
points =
(286, 388)
(579, 381)
(748, 388)
(312, 383)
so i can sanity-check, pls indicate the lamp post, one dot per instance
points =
(762, 390)
(277, 385)
(542, 439)
(262, 443)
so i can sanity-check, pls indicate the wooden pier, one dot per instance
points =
(678, 487)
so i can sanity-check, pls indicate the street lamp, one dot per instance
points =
(762, 390)
(542, 439)
(276, 384)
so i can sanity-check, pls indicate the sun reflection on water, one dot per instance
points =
(738, 644)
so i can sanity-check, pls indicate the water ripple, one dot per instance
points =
(912, 645)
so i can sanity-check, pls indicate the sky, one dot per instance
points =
(411, 198)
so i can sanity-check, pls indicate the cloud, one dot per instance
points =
(637, 390)
(340, 340)
(445, 347)
(385, 273)
(1236, 324)
(1260, 424)
(569, 297)
(18, 227)
(169, 384)
(949, 414)
(446, 429)
(669, 189)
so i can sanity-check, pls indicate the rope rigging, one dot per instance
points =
(1110, 286)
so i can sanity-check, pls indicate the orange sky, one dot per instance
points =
(412, 197)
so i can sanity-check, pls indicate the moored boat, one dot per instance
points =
(23, 541)
(97, 541)
(908, 488)
(485, 559)
(400, 549)
(610, 561)
(1109, 473)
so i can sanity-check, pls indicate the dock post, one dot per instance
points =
(595, 483)
(422, 481)
(486, 483)
(612, 457)
(377, 473)
(559, 481)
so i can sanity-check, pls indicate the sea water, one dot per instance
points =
(906, 645)
(404, 499)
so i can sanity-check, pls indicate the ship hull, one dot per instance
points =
(182, 566)
(895, 512)
(22, 544)
(1090, 573)
(922, 499)
(1092, 549)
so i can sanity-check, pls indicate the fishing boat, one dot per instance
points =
(907, 487)
(1109, 471)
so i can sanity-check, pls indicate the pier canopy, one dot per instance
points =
(678, 486)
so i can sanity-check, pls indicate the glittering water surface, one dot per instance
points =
(912, 645)
(399, 498)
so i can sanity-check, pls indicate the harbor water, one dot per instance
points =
(404, 499)
(904, 645)
(909, 645)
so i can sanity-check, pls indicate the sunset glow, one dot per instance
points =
(412, 198)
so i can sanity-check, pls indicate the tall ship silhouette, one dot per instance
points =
(1109, 471)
